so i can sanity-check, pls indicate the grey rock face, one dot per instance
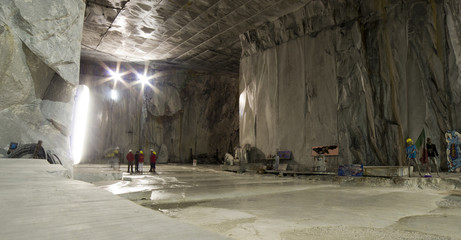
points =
(163, 101)
(362, 74)
(42, 74)
(453, 21)
(59, 114)
(163, 154)
(51, 29)
(199, 34)
(182, 111)
(39, 48)
(59, 90)
(16, 84)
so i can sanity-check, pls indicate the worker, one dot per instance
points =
(432, 153)
(153, 160)
(117, 159)
(113, 158)
(130, 158)
(411, 156)
(141, 161)
(37, 149)
(277, 161)
(136, 162)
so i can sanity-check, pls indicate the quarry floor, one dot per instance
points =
(39, 201)
(255, 206)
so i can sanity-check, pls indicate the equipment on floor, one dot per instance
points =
(28, 150)
(13, 146)
(319, 153)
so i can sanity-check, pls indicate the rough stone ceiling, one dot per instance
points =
(202, 34)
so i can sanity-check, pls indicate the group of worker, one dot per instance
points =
(138, 161)
(428, 156)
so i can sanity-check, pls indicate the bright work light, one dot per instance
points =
(113, 94)
(143, 79)
(115, 75)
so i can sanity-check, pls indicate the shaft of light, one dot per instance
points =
(80, 120)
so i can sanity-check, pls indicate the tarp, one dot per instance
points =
(421, 139)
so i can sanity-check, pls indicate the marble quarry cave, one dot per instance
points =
(274, 75)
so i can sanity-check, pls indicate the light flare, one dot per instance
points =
(114, 75)
(143, 79)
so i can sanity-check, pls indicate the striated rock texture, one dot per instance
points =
(182, 110)
(39, 66)
(202, 35)
(362, 74)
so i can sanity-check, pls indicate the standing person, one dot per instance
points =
(136, 162)
(432, 153)
(425, 162)
(130, 158)
(411, 155)
(113, 158)
(153, 160)
(117, 158)
(141, 160)
(277, 161)
(38, 148)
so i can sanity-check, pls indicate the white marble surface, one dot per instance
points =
(38, 203)
(254, 206)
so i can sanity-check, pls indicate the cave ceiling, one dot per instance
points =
(199, 34)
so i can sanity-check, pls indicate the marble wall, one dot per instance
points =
(39, 72)
(180, 111)
(365, 75)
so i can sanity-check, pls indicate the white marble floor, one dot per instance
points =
(252, 206)
(37, 202)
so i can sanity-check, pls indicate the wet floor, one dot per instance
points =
(253, 206)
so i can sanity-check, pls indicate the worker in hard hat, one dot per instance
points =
(153, 160)
(136, 162)
(141, 160)
(114, 158)
(130, 158)
(411, 155)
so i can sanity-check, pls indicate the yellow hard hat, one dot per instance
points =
(409, 140)
(141, 152)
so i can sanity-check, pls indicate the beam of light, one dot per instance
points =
(113, 94)
(79, 124)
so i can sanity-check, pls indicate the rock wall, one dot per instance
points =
(362, 74)
(180, 111)
(39, 70)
